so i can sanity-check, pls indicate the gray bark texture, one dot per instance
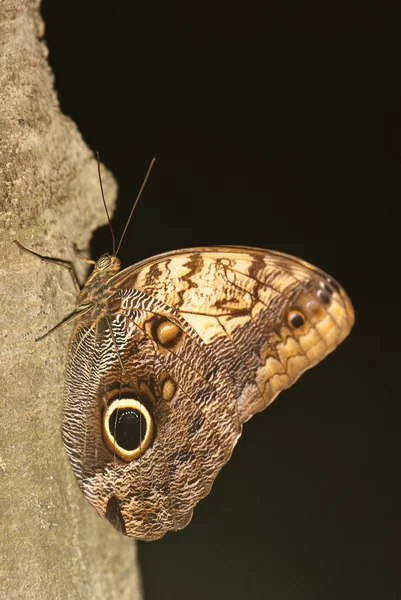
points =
(52, 542)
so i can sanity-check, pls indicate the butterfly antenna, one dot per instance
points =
(152, 162)
(113, 239)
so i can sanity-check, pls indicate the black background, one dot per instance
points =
(274, 125)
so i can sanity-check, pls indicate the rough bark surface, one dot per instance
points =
(52, 543)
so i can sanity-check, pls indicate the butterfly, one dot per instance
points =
(168, 359)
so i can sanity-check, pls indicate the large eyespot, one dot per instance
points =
(128, 428)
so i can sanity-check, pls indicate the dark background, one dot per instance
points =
(274, 125)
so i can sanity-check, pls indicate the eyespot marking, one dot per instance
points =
(296, 320)
(313, 309)
(167, 333)
(324, 296)
(327, 288)
(332, 284)
(169, 388)
(128, 428)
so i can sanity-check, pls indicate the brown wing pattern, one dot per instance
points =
(202, 339)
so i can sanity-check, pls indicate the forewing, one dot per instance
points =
(240, 302)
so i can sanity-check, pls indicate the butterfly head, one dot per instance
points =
(108, 264)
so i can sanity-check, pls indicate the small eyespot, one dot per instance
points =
(169, 388)
(166, 333)
(128, 428)
(324, 296)
(326, 287)
(330, 285)
(295, 319)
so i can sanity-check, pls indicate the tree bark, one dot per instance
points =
(52, 542)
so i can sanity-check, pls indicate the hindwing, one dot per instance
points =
(181, 351)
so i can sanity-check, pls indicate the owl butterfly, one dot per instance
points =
(170, 357)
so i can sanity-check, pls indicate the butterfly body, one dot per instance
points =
(170, 357)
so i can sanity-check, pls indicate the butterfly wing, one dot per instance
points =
(186, 347)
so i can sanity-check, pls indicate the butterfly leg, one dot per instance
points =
(73, 317)
(65, 264)
(83, 257)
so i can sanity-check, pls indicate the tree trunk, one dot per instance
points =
(52, 542)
